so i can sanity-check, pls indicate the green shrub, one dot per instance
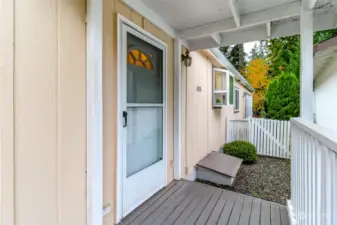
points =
(241, 149)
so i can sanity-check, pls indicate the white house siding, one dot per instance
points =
(326, 97)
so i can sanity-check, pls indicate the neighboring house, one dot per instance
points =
(325, 83)
(216, 92)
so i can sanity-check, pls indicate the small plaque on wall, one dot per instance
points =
(199, 88)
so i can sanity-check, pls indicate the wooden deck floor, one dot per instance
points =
(186, 202)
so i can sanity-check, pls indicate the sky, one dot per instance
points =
(249, 45)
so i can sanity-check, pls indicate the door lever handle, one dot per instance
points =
(125, 116)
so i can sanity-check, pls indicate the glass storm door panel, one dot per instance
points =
(144, 170)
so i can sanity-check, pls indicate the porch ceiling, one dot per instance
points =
(206, 24)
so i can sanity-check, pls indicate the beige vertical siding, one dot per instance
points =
(44, 124)
(111, 9)
(204, 126)
(49, 112)
(6, 112)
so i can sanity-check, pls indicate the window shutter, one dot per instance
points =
(231, 90)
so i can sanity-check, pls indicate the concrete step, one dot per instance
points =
(218, 168)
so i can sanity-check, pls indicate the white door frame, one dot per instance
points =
(122, 20)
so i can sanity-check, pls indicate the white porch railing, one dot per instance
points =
(313, 174)
(271, 137)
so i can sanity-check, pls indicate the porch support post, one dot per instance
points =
(177, 109)
(94, 112)
(307, 65)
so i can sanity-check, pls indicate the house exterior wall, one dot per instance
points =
(204, 126)
(111, 9)
(43, 112)
(43, 119)
(325, 95)
(43, 109)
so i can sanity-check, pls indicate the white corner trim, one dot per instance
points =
(177, 109)
(152, 16)
(291, 214)
(94, 76)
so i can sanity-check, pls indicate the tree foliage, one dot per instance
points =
(259, 50)
(236, 55)
(283, 97)
(283, 55)
(324, 35)
(256, 73)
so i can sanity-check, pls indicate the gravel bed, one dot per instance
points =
(268, 179)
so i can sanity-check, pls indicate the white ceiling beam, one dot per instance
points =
(309, 4)
(233, 4)
(249, 20)
(217, 38)
(268, 29)
(321, 22)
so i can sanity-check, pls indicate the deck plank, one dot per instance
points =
(202, 190)
(265, 213)
(256, 212)
(191, 220)
(246, 211)
(182, 206)
(275, 217)
(209, 208)
(284, 216)
(237, 209)
(186, 203)
(188, 210)
(171, 188)
(213, 219)
(172, 202)
(167, 212)
(227, 210)
(146, 213)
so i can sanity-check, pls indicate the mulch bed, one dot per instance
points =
(268, 179)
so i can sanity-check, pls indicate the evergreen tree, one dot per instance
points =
(254, 53)
(263, 50)
(259, 50)
(320, 36)
(283, 97)
(236, 55)
(282, 53)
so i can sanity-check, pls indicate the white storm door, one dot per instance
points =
(144, 123)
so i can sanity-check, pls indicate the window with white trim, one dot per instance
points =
(223, 87)
(237, 100)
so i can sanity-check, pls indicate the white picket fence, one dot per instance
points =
(313, 174)
(271, 137)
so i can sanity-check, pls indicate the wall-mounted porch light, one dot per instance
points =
(187, 59)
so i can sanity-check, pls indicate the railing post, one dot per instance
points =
(307, 65)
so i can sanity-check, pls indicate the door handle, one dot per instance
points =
(125, 116)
